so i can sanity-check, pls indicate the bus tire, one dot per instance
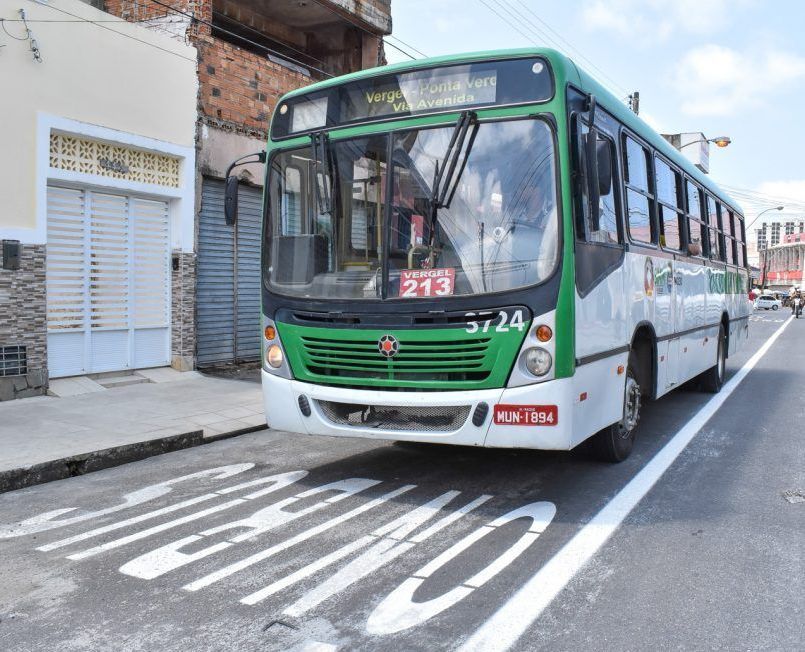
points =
(614, 443)
(712, 380)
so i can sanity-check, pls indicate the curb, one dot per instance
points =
(69, 467)
(75, 465)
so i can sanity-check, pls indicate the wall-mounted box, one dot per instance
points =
(12, 250)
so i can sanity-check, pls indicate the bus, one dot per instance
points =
(488, 250)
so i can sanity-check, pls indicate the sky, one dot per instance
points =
(722, 67)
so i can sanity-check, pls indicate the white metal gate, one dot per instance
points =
(108, 282)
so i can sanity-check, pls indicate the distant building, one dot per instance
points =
(782, 265)
(771, 232)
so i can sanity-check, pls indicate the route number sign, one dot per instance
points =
(427, 282)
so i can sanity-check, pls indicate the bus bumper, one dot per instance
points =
(283, 412)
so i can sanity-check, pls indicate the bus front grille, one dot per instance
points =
(401, 418)
(417, 360)
(456, 357)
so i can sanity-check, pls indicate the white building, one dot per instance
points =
(97, 194)
(771, 231)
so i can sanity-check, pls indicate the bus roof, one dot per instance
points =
(573, 73)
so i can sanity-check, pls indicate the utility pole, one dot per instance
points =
(634, 102)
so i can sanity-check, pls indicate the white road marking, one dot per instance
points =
(238, 566)
(396, 530)
(511, 620)
(316, 646)
(45, 521)
(169, 557)
(383, 552)
(280, 481)
(398, 611)
(89, 534)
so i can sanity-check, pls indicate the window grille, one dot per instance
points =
(13, 361)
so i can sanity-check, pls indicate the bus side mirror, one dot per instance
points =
(604, 167)
(231, 200)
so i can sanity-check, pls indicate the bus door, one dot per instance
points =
(600, 308)
(671, 221)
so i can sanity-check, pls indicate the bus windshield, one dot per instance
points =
(384, 233)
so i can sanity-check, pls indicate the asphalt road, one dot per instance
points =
(282, 542)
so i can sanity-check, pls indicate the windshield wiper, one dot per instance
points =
(322, 171)
(446, 178)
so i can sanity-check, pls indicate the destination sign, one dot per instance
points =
(416, 92)
(431, 90)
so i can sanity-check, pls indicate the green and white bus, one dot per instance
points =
(489, 250)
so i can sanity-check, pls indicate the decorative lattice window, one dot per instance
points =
(13, 361)
(88, 156)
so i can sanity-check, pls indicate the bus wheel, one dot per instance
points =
(614, 443)
(713, 379)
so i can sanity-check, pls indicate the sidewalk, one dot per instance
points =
(89, 427)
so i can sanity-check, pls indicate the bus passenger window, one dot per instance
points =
(697, 230)
(740, 239)
(603, 227)
(729, 233)
(638, 194)
(606, 230)
(730, 250)
(669, 202)
(716, 252)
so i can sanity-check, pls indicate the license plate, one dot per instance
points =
(427, 282)
(526, 415)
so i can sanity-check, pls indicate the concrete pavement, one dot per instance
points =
(272, 541)
(96, 427)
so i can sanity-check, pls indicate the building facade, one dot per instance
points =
(249, 54)
(782, 265)
(772, 232)
(97, 195)
(115, 251)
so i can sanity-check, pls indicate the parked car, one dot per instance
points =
(767, 302)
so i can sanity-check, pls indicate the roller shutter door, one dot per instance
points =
(228, 300)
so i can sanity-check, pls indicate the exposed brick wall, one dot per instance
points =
(239, 89)
(23, 321)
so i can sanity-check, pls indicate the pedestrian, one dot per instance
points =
(796, 302)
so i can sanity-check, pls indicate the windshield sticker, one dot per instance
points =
(427, 282)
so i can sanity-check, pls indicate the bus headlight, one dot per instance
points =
(537, 360)
(274, 356)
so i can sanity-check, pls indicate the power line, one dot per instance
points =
(749, 198)
(514, 26)
(519, 18)
(571, 47)
(399, 49)
(242, 38)
(64, 20)
(763, 197)
(123, 34)
(408, 45)
(3, 22)
(259, 33)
